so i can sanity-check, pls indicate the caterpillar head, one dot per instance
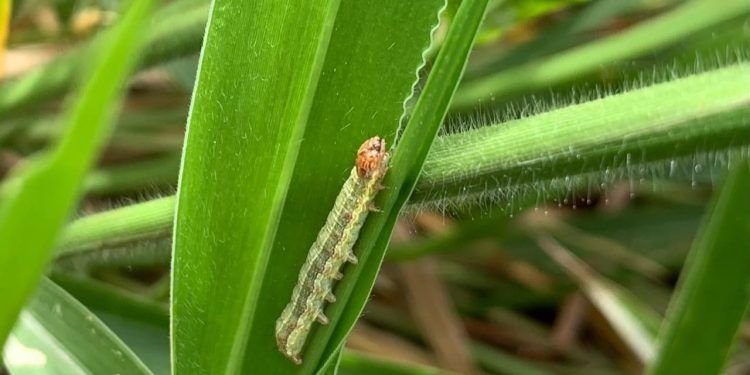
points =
(372, 157)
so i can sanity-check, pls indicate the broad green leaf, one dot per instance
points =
(56, 334)
(370, 68)
(713, 294)
(258, 72)
(38, 199)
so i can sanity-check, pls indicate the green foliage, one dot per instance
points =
(246, 145)
(634, 322)
(713, 296)
(542, 159)
(690, 18)
(335, 105)
(32, 211)
(616, 120)
(538, 159)
(357, 364)
(175, 30)
(55, 334)
(406, 162)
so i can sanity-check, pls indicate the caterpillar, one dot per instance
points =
(332, 249)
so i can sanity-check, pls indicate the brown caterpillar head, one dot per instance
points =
(371, 157)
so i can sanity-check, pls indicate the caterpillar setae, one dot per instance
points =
(331, 249)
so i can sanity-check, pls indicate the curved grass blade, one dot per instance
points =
(634, 322)
(669, 28)
(408, 157)
(56, 334)
(176, 30)
(713, 294)
(31, 212)
(142, 324)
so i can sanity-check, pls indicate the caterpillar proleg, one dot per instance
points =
(332, 249)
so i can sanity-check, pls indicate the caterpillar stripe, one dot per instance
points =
(331, 250)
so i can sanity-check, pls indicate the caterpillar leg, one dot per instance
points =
(351, 258)
(330, 298)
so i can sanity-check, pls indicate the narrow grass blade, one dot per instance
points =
(32, 212)
(131, 177)
(57, 335)
(408, 157)
(583, 145)
(713, 294)
(353, 363)
(143, 327)
(100, 296)
(115, 228)
(503, 363)
(635, 323)
(142, 324)
(635, 135)
(660, 32)
(563, 34)
(258, 72)
(176, 30)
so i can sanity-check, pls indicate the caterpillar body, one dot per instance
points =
(332, 249)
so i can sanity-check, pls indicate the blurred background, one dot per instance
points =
(578, 285)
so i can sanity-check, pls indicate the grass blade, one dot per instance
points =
(185, 18)
(691, 17)
(634, 321)
(713, 294)
(142, 324)
(353, 363)
(31, 214)
(631, 135)
(708, 117)
(57, 335)
(344, 114)
(244, 130)
(405, 166)
(114, 228)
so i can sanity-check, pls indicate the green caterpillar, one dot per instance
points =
(332, 248)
